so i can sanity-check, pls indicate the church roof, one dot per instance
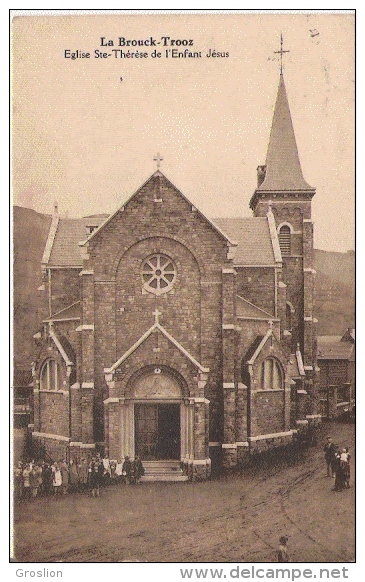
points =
(65, 250)
(63, 346)
(255, 246)
(253, 348)
(283, 170)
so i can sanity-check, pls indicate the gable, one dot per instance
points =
(159, 193)
(156, 327)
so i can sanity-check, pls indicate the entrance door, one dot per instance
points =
(157, 431)
(169, 431)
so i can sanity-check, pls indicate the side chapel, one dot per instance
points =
(188, 341)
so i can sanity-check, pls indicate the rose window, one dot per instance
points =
(158, 274)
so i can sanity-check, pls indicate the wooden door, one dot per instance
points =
(146, 431)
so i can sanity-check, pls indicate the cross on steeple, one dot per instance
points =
(156, 313)
(158, 159)
(281, 52)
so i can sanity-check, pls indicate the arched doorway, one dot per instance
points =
(157, 416)
(157, 431)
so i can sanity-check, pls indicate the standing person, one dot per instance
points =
(113, 477)
(57, 479)
(339, 472)
(18, 482)
(282, 552)
(36, 479)
(83, 472)
(107, 470)
(330, 456)
(119, 471)
(73, 475)
(127, 470)
(65, 476)
(138, 470)
(47, 479)
(347, 470)
(26, 481)
(96, 470)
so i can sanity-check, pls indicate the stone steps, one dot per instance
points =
(159, 478)
(163, 471)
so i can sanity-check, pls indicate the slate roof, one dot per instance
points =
(253, 238)
(70, 231)
(335, 349)
(349, 335)
(253, 347)
(283, 170)
(252, 235)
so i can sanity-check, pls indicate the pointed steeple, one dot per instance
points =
(283, 171)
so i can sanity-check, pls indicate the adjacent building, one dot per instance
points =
(336, 359)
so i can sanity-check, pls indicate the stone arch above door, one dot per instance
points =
(155, 385)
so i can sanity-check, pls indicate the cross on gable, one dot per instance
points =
(158, 159)
(156, 313)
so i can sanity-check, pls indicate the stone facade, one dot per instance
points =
(171, 339)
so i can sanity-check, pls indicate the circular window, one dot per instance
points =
(158, 274)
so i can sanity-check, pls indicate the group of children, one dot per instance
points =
(33, 479)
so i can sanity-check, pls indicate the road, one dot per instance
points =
(237, 518)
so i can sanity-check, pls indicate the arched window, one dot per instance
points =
(50, 377)
(285, 240)
(271, 375)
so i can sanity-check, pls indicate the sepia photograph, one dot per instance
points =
(183, 231)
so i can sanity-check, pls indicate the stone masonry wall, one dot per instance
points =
(257, 285)
(65, 288)
(54, 413)
(268, 412)
(158, 219)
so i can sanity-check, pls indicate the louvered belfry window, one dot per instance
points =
(285, 240)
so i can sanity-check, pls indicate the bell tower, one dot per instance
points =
(283, 192)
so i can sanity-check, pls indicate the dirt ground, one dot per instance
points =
(237, 518)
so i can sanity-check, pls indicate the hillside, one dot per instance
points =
(334, 305)
(30, 231)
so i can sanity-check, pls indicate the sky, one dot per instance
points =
(85, 130)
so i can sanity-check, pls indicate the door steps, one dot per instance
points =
(163, 471)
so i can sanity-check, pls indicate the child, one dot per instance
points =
(283, 554)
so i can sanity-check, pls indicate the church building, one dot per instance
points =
(186, 340)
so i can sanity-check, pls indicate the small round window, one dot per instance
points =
(158, 274)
